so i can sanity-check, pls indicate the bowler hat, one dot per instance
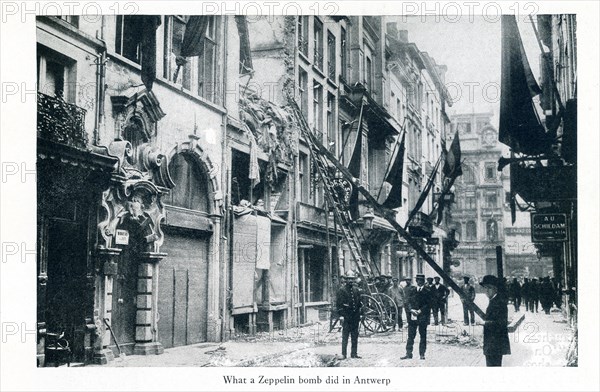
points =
(437, 278)
(420, 276)
(489, 280)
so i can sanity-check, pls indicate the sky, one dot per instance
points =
(470, 47)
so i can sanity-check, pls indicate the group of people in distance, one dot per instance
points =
(545, 291)
(418, 303)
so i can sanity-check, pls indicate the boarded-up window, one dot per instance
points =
(251, 249)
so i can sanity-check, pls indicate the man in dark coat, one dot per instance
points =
(440, 295)
(534, 295)
(547, 294)
(525, 290)
(495, 329)
(349, 305)
(397, 294)
(418, 299)
(515, 294)
(467, 308)
(557, 292)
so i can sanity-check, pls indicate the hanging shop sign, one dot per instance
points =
(548, 227)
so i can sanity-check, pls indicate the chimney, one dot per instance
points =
(392, 29)
(403, 36)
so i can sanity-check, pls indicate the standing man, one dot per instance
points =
(495, 328)
(397, 294)
(418, 316)
(349, 307)
(534, 295)
(334, 317)
(467, 308)
(516, 290)
(405, 294)
(525, 290)
(440, 295)
(546, 294)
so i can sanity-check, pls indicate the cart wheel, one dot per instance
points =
(389, 308)
(373, 315)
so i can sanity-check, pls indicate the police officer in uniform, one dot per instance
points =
(349, 307)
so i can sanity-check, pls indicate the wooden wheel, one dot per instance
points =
(373, 315)
(389, 309)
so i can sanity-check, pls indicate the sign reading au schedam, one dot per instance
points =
(548, 227)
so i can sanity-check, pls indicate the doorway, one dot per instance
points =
(65, 290)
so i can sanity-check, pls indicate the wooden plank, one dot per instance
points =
(244, 261)
(165, 306)
(180, 308)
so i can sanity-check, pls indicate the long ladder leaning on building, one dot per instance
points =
(325, 159)
(381, 310)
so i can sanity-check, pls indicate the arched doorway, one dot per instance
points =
(183, 278)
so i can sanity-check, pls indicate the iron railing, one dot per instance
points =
(60, 121)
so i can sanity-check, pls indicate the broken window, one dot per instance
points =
(191, 184)
(127, 40)
(331, 56)
(303, 91)
(176, 68)
(242, 187)
(368, 69)
(331, 124)
(318, 110)
(343, 53)
(312, 273)
(304, 173)
(318, 44)
(207, 64)
(303, 35)
(56, 75)
(245, 52)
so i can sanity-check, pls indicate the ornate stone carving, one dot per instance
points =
(142, 105)
(135, 196)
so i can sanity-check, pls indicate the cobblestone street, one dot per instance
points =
(539, 340)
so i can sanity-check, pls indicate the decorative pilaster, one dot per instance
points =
(106, 268)
(146, 318)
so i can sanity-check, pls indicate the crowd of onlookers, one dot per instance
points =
(535, 292)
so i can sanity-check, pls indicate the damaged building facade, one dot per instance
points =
(130, 205)
(177, 202)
